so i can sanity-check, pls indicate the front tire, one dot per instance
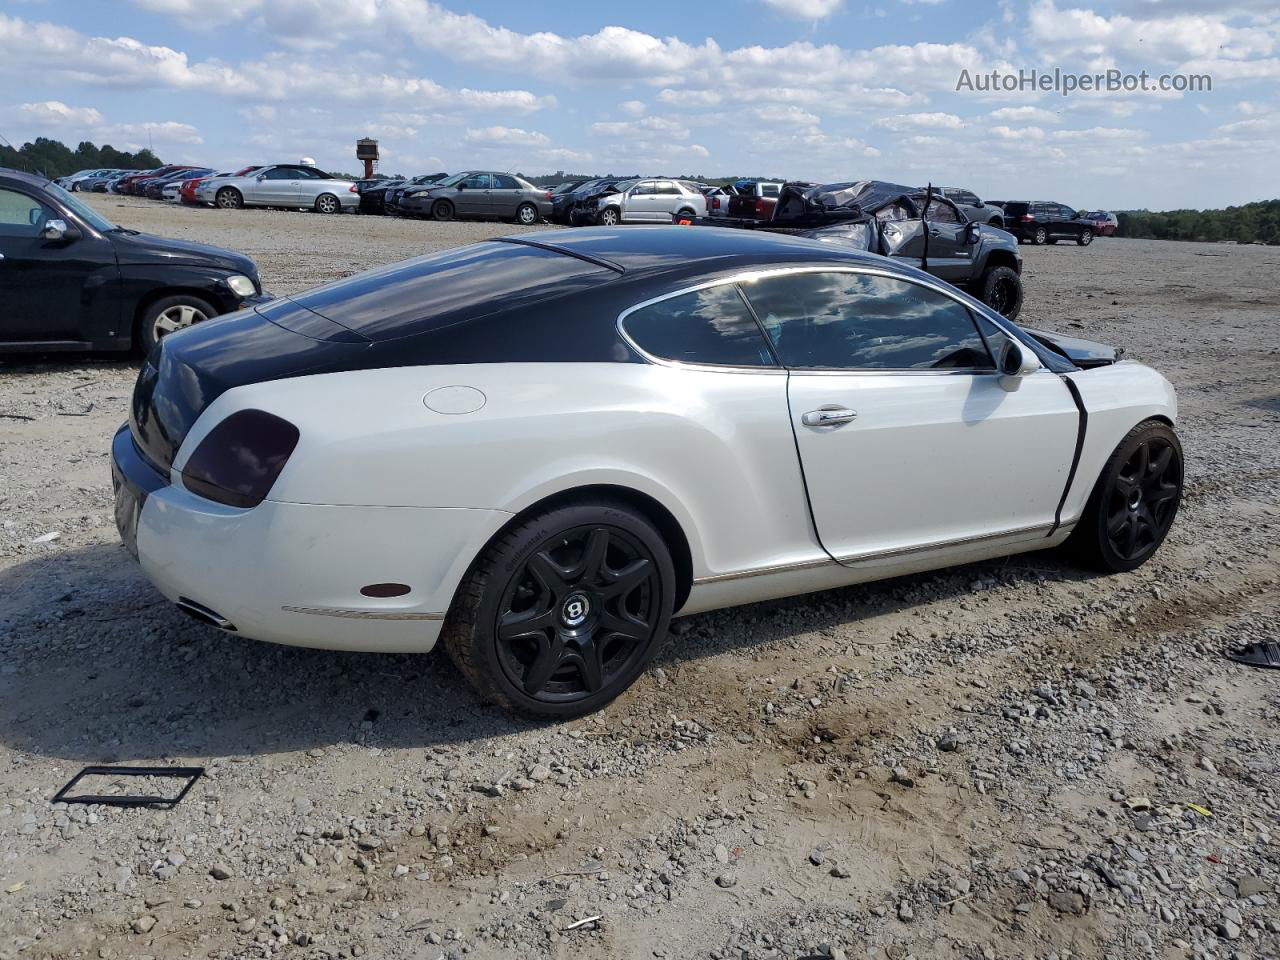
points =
(228, 198)
(1134, 502)
(327, 203)
(1085, 238)
(609, 217)
(169, 315)
(1002, 291)
(442, 210)
(563, 612)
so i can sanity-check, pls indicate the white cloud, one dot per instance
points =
(633, 108)
(913, 121)
(506, 136)
(87, 123)
(1029, 114)
(644, 129)
(1094, 134)
(1021, 133)
(806, 9)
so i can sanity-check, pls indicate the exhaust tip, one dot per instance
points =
(198, 611)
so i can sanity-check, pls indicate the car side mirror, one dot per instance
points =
(972, 232)
(461, 185)
(57, 231)
(1016, 362)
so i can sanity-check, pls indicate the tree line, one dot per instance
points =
(1251, 223)
(55, 159)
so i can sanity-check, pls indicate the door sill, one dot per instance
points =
(51, 346)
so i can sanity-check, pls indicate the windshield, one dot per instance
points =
(82, 209)
(624, 185)
(450, 181)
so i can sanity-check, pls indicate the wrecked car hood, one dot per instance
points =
(1083, 353)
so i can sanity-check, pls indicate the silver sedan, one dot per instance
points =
(282, 185)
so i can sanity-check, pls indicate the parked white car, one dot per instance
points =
(652, 200)
(537, 449)
(282, 185)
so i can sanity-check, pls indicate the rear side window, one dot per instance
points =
(711, 326)
(502, 182)
(861, 321)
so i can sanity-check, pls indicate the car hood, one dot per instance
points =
(145, 249)
(1085, 354)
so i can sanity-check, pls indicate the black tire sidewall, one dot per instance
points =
(442, 210)
(508, 560)
(231, 192)
(993, 276)
(337, 204)
(1086, 238)
(1039, 236)
(1094, 523)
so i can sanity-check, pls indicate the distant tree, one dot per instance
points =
(1251, 223)
(55, 159)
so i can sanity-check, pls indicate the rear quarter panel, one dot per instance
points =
(715, 448)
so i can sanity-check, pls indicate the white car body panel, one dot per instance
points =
(383, 488)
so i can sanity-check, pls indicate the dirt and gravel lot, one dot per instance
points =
(1013, 759)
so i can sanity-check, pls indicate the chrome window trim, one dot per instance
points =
(761, 273)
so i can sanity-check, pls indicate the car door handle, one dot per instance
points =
(828, 417)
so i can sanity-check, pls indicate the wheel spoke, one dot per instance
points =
(1117, 521)
(619, 583)
(588, 663)
(1131, 537)
(550, 575)
(166, 323)
(1161, 463)
(550, 656)
(624, 626)
(514, 626)
(1162, 493)
(1143, 456)
(592, 566)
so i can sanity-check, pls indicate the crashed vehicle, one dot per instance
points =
(578, 209)
(914, 224)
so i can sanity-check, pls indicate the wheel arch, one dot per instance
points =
(1002, 258)
(648, 506)
(159, 293)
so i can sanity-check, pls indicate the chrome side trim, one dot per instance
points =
(854, 559)
(1039, 528)
(362, 614)
(764, 571)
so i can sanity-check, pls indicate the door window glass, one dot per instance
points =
(503, 182)
(711, 326)
(643, 189)
(860, 321)
(479, 181)
(21, 215)
(280, 173)
(666, 187)
(942, 212)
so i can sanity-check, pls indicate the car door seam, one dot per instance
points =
(1081, 430)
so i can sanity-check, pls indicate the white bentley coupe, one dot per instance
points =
(540, 449)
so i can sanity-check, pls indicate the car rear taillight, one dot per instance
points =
(352, 189)
(240, 459)
(715, 203)
(1027, 218)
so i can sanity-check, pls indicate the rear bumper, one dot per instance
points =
(291, 573)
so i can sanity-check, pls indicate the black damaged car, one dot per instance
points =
(915, 224)
(72, 280)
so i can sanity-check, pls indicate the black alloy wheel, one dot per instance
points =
(563, 612)
(442, 210)
(1136, 499)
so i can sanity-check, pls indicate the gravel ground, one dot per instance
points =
(1012, 759)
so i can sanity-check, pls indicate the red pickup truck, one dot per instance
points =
(754, 199)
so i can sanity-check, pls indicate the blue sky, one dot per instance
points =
(808, 89)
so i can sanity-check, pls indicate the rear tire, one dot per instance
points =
(1134, 501)
(563, 612)
(1002, 291)
(228, 198)
(527, 214)
(1039, 236)
(327, 203)
(169, 315)
(442, 210)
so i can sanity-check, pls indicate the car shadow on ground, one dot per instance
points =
(97, 667)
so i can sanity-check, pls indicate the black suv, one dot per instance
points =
(72, 280)
(1042, 221)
